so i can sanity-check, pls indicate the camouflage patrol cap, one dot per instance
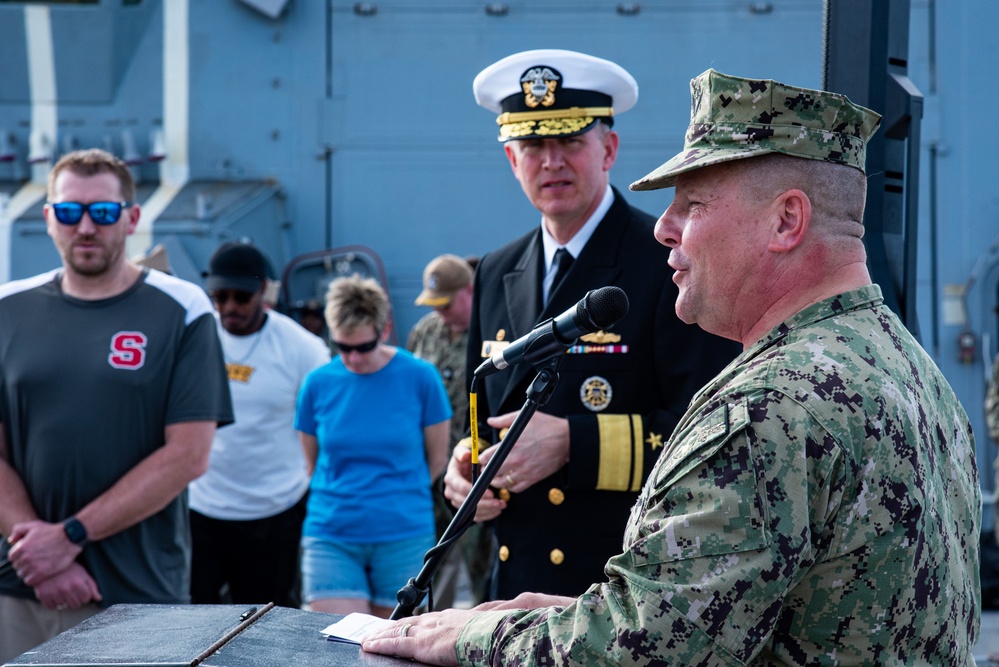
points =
(442, 279)
(732, 118)
(548, 93)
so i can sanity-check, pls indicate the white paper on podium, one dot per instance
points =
(353, 628)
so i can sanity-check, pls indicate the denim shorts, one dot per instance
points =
(373, 572)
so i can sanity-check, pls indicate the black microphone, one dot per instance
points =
(599, 309)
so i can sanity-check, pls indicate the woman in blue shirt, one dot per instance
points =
(374, 424)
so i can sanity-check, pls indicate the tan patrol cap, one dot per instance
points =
(443, 277)
(732, 118)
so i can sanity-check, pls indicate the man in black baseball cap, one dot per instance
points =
(237, 265)
(236, 280)
(252, 498)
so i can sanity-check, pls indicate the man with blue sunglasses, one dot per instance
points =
(112, 383)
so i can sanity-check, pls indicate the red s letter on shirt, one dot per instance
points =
(128, 350)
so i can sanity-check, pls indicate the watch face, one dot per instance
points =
(75, 531)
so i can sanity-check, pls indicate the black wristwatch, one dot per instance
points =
(75, 531)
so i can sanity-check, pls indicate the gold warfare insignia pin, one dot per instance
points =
(539, 84)
(601, 338)
(596, 393)
(599, 342)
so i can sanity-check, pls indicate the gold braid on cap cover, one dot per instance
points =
(548, 114)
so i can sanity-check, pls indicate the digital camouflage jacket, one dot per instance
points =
(818, 504)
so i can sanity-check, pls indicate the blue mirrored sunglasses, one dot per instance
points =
(101, 212)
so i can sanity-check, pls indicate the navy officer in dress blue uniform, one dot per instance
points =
(563, 495)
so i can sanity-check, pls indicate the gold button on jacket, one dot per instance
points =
(556, 556)
(556, 496)
(504, 553)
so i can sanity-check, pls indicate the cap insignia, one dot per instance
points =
(539, 84)
(432, 281)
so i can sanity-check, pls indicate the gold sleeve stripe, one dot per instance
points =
(620, 452)
(638, 447)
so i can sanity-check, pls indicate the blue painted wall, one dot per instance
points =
(956, 78)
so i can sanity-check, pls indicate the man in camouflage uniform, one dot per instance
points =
(441, 337)
(819, 501)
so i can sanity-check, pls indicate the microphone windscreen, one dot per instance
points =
(605, 306)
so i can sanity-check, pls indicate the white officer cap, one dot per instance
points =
(553, 93)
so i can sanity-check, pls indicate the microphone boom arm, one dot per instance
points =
(540, 390)
(598, 309)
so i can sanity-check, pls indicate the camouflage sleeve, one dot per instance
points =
(417, 337)
(992, 403)
(992, 421)
(725, 527)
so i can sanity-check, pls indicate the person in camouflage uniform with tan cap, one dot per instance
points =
(441, 336)
(819, 501)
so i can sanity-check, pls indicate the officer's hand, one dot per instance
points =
(458, 484)
(542, 449)
(428, 638)
(40, 550)
(70, 589)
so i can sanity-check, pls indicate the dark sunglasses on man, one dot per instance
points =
(363, 348)
(101, 212)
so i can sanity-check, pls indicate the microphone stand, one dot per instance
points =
(540, 390)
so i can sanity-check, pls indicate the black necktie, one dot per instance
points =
(563, 261)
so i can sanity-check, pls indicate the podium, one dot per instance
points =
(143, 635)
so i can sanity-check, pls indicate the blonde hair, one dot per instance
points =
(353, 302)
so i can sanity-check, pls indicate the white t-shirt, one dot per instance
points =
(257, 468)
